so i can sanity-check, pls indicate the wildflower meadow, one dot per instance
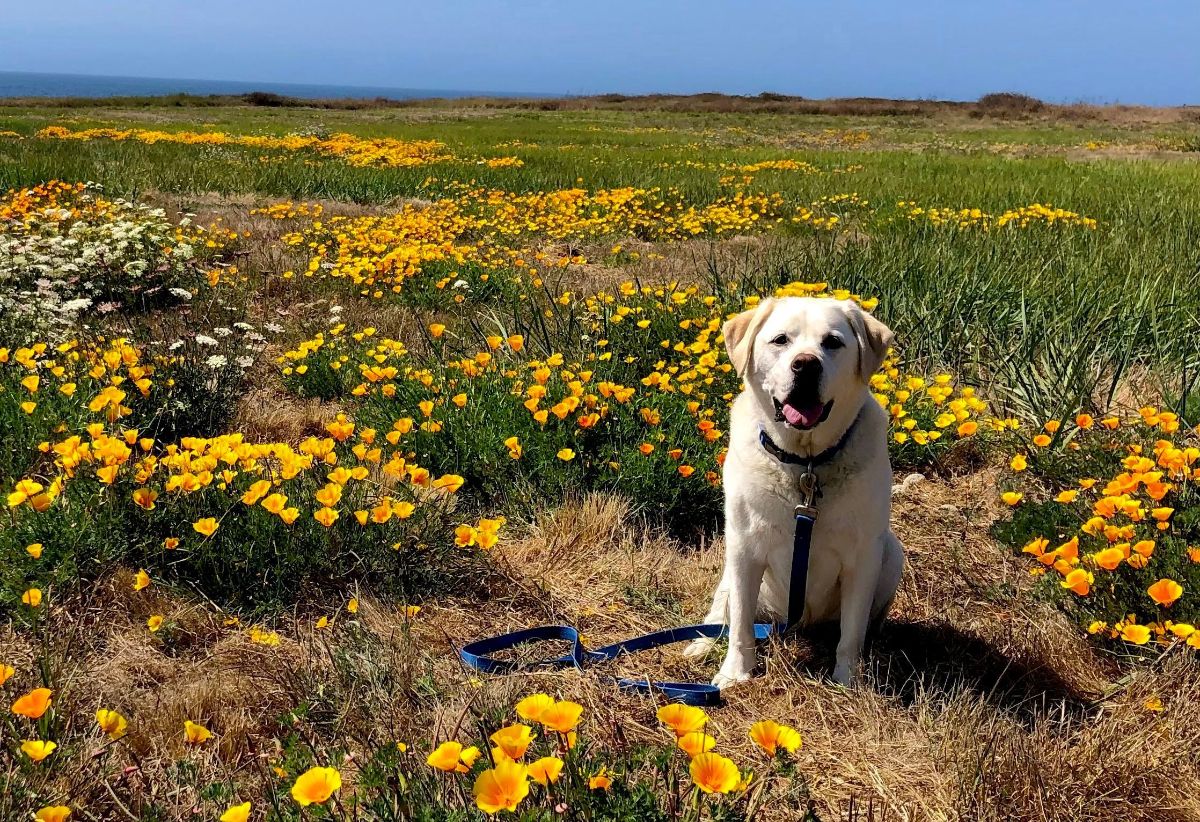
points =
(297, 402)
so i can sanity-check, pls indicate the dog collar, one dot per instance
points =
(788, 458)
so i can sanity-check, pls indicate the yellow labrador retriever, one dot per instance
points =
(805, 364)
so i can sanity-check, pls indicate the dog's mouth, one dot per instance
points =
(802, 412)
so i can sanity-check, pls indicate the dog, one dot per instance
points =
(806, 364)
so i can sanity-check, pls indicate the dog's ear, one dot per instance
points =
(874, 339)
(740, 332)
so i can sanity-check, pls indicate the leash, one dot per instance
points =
(479, 654)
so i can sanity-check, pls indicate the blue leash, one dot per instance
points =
(478, 654)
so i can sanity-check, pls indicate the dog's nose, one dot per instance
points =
(806, 364)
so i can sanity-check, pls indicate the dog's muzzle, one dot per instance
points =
(803, 407)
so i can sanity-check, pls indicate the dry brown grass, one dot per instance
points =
(974, 704)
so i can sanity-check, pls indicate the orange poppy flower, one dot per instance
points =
(713, 773)
(771, 736)
(33, 704)
(1165, 592)
(546, 770)
(682, 719)
(502, 787)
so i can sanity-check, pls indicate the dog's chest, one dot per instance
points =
(833, 482)
(768, 492)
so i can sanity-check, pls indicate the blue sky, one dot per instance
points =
(1060, 50)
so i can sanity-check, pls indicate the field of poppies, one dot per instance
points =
(296, 402)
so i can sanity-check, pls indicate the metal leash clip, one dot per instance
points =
(808, 494)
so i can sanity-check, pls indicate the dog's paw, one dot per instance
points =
(843, 675)
(724, 680)
(907, 484)
(699, 647)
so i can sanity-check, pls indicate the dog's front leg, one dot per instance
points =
(859, 582)
(743, 576)
(718, 614)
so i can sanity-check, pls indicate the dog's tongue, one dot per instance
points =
(805, 417)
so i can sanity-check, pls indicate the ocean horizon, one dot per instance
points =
(38, 84)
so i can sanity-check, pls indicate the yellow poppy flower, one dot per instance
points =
(696, 743)
(195, 733)
(682, 719)
(144, 498)
(546, 771)
(600, 781)
(513, 740)
(771, 736)
(316, 785)
(502, 787)
(449, 483)
(1109, 559)
(37, 750)
(713, 773)
(561, 717)
(533, 706)
(1079, 581)
(205, 526)
(452, 757)
(111, 723)
(237, 813)
(1137, 634)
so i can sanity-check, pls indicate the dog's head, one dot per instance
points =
(806, 355)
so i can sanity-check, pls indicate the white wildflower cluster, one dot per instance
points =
(235, 347)
(58, 263)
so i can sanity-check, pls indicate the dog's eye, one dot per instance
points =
(832, 342)
(780, 340)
